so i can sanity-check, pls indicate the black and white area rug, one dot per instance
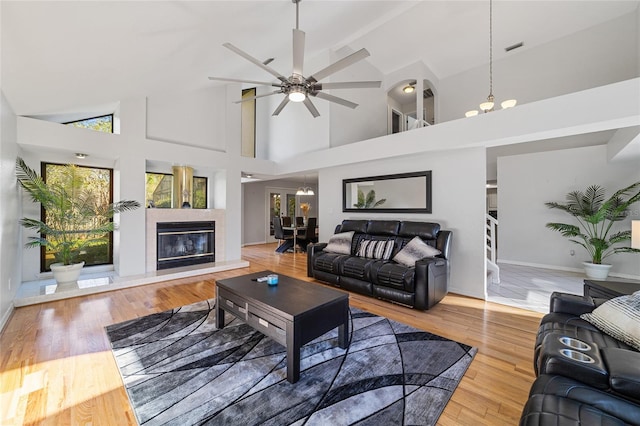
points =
(178, 369)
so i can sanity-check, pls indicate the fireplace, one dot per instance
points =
(185, 243)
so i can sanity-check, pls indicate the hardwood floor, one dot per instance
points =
(56, 366)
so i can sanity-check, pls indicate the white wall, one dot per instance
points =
(458, 205)
(10, 250)
(593, 57)
(369, 119)
(194, 118)
(526, 182)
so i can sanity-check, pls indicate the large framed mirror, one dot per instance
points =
(398, 193)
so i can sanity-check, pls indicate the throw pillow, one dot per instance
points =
(372, 249)
(416, 249)
(619, 318)
(340, 243)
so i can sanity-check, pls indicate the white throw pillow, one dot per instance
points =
(619, 318)
(340, 243)
(416, 249)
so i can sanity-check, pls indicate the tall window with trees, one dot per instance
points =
(94, 186)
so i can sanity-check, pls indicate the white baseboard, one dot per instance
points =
(564, 268)
(254, 243)
(5, 318)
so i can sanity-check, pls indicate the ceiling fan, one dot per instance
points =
(297, 87)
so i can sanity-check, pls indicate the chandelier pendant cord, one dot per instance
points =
(491, 49)
(297, 2)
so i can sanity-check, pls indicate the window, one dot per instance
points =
(248, 124)
(103, 123)
(95, 186)
(199, 192)
(159, 187)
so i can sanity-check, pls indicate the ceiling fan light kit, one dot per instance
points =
(297, 87)
(489, 105)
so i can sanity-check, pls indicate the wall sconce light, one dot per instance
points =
(635, 234)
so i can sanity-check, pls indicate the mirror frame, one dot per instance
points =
(426, 209)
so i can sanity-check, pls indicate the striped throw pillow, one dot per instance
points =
(372, 249)
(619, 318)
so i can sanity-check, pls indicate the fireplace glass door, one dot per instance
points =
(185, 243)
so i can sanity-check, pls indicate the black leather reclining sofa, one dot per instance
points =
(420, 286)
(585, 377)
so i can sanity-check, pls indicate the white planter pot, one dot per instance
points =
(66, 273)
(595, 271)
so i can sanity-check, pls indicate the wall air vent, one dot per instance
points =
(513, 46)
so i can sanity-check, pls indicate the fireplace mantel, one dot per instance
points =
(183, 215)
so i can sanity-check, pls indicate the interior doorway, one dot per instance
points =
(280, 202)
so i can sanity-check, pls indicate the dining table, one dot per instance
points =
(295, 230)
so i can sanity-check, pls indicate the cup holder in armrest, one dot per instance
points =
(574, 343)
(567, 356)
(577, 356)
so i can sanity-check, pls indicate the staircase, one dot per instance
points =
(493, 270)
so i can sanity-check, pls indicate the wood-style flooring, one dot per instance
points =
(56, 366)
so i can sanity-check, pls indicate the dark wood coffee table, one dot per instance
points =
(609, 289)
(292, 313)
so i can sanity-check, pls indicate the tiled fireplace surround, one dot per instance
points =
(183, 215)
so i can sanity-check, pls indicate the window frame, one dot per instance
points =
(92, 118)
(43, 215)
(206, 191)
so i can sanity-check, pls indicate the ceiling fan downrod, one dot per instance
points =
(297, 3)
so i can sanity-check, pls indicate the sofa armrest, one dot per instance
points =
(431, 281)
(312, 251)
(624, 371)
(570, 303)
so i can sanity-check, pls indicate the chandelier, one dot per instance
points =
(489, 104)
(305, 190)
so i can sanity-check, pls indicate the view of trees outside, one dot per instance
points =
(199, 193)
(93, 187)
(159, 187)
(99, 124)
(158, 190)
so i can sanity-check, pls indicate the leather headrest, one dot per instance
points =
(425, 230)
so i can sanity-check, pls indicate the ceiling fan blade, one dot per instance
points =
(238, 80)
(339, 65)
(283, 104)
(255, 61)
(311, 107)
(298, 51)
(347, 85)
(258, 96)
(331, 98)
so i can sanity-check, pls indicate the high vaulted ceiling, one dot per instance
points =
(62, 56)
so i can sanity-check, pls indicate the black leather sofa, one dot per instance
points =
(420, 286)
(576, 384)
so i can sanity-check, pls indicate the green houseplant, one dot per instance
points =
(595, 215)
(75, 218)
(368, 202)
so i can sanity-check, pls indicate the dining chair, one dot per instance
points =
(299, 221)
(309, 234)
(285, 239)
(286, 220)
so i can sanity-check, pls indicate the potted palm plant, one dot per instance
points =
(595, 215)
(75, 218)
